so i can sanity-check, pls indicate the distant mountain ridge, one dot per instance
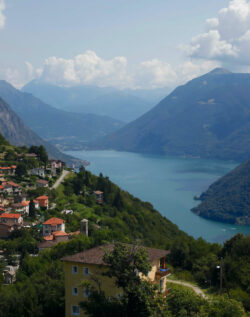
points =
(59, 127)
(14, 130)
(207, 117)
(125, 105)
(228, 199)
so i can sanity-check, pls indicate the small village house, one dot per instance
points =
(42, 183)
(89, 265)
(56, 164)
(8, 170)
(98, 196)
(11, 188)
(5, 230)
(22, 207)
(11, 219)
(52, 225)
(43, 201)
(38, 171)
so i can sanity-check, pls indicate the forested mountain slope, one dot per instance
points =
(207, 117)
(228, 199)
(57, 126)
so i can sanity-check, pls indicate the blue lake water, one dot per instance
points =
(169, 183)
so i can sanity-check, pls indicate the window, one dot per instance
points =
(74, 269)
(75, 291)
(86, 292)
(75, 310)
(86, 271)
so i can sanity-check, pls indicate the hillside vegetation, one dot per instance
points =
(228, 199)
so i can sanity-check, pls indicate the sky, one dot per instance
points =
(121, 43)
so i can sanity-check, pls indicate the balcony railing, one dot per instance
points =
(162, 272)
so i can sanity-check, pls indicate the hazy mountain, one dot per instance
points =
(57, 126)
(228, 199)
(15, 131)
(125, 105)
(207, 117)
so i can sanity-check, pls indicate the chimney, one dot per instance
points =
(84, 227)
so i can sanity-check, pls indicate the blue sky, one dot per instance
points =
(123, 43)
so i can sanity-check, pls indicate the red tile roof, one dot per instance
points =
(95, 255)
(42, 198)
(25, 203)
(48, 238)
(54, 221)
(12, 184)
(59, 233)
(11, 216)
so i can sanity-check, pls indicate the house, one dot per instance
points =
(22, 207)
(8, 170)
(53, 239)
(5, 230)
(52, 225)
(36, 203)
(88, 265)
(11, 219)
(98, 196)
(43, 201)
(19, 198)
(9, 274)
(38, 171)
(67, 212)
(56, 164)
(42, 183)
(11, 188)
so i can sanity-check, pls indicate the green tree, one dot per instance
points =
(139, 297)
(21, 170)
(32, 209)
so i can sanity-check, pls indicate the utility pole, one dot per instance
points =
(221, 273)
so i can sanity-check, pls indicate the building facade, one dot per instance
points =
(89, 266)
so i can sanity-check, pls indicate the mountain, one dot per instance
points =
(125, 105)
(57, 126)
(228, 199)
(207, 117)
(15, 131)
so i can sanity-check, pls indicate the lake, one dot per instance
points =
(169, 183)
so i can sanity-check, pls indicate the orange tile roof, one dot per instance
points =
(1, 187)
(42, 198)
(25, 203)
(35, 201)
(13, 184)
(11, 216)
(59, 233)
(54, 221)
(48, 238)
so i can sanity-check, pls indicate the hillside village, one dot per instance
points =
(57, 224)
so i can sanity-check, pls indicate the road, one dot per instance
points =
(60, 179)
(196, 289)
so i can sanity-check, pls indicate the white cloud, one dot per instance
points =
(155, 73)
(227, 37)
(86, 68)
(2, 17)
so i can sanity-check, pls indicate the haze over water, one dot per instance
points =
(169, 183)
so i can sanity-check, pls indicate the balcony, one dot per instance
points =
(162, 272)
